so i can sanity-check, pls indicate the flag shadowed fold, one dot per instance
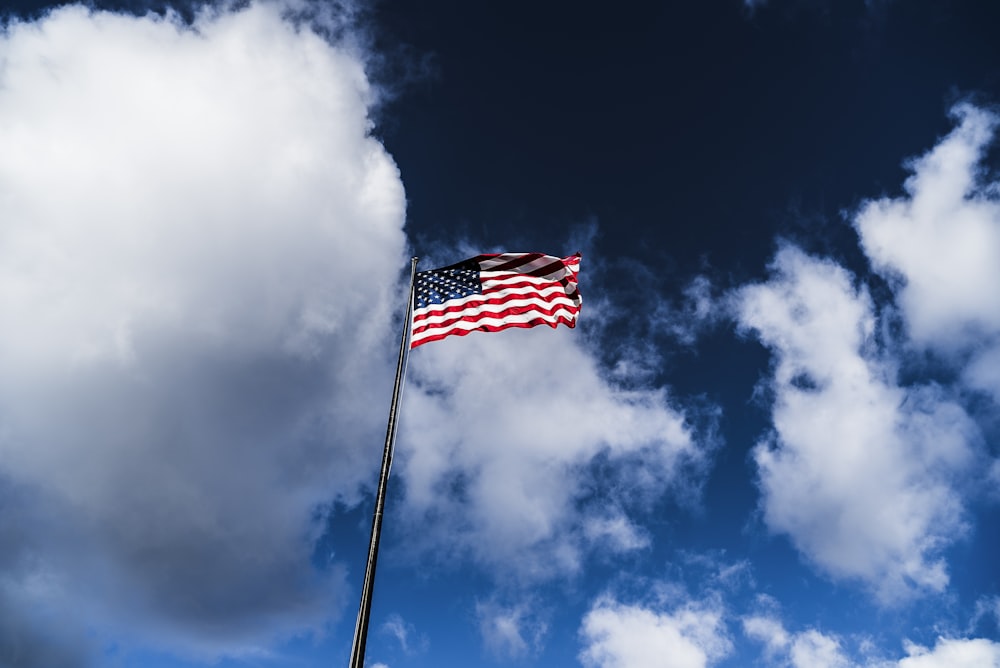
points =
(494, 292)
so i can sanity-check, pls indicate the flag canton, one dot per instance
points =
(439, 285)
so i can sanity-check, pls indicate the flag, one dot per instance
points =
(493, 292)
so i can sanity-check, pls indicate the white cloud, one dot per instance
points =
(942, 242)
(521, 455)
(943, 239)
(405, 633)
(769, 631)
(513, 630)
(813, 649)
(808, 649)
(983, 371)
(987, 611)
(617, 635)
(716, 570)
(954, 653)
(696, 312)
(396, 627)
(858, 471)
(616, 531)
(198, 245)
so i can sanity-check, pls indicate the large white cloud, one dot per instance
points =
(521, 454)
(618, 635)
(953, 653)
(858, 472)
(198, 244)
(941, 245)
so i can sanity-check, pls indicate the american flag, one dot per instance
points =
(493, 292)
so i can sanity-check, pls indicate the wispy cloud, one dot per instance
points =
(512, 630)
(753, 5)
(698, 310)
(987, 607)
(405, 634)
(198, 247)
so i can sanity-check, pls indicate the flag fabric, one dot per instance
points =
(493, 292)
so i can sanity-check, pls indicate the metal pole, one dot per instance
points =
(364, 610)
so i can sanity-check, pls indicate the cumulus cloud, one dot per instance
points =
(618, 635)
(943, 239)
(941, 245)
(858, 471)
(197, 254)
(808, 649)
(520, 454)
(953, 653)
(813, 649)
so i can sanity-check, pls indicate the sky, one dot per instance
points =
(772, 440)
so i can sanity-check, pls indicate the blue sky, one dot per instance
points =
(772, 440)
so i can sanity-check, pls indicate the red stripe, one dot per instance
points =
(569, 322)
(498, 297)
(558, 314)
(475, 314)
(494, 301)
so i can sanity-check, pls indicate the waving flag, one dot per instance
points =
(493, 292)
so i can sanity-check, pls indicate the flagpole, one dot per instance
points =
(364, 610)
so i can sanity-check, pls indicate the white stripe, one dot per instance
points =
(549, 291)
(549, 294)
(427, 316)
